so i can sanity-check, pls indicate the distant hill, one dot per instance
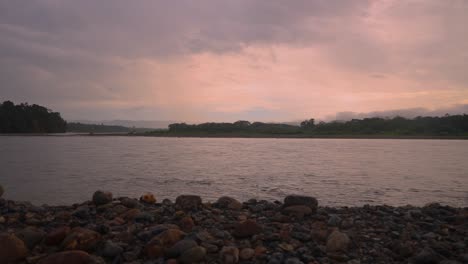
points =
(130, 123)
(101, 128)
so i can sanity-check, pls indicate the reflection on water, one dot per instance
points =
(58, 170)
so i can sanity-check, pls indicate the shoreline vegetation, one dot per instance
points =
(25, 119)
(294, 231)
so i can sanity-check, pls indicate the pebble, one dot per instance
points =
(102, 197)
(68, 257)
(229, 203)
(193, 255)
(125, 230)
(246, 253)
(148, 198)
(12, 249)
(180, 247)
(31, 236)
(247, 228)
(188, 202)
(337, 241)
(229, 255)
(309, 201)
(111, 249)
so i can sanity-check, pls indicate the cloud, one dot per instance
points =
(197, 60)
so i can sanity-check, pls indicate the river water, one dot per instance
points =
(339, 172)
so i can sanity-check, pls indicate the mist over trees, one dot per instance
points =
(25, 118)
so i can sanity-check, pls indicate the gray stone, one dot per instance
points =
(102, 197)
(129, 202)
(293, 261)
(193, 255)
(188, 202)
(337, 242)
(180, 247)
(111, 249)
(301, 200)
(31, 236)
(334, 220)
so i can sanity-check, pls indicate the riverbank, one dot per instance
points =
(297, 230)
(237, 135)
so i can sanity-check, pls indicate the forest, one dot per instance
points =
(25, 118)
(449, 125)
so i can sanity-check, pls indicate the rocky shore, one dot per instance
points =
(188, 230)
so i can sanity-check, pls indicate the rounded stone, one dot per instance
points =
(148, 198)
(102, 197)
(81, 239)
(56, 236)
(129, 202)
(337, 242)
(68, 257)
(180, 247)
(31, 236)
(111, 249)
(12, 249)
(162, 242)
(229, 255)
(246, 253)
(188, 202)
(228, 203)
(193, 255)
(247, 228)
(187, 224)
(301, 200)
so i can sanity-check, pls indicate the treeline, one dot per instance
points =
(93, 128)
(455, 125)
(25, 118)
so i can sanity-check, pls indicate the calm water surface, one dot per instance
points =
(65, 170)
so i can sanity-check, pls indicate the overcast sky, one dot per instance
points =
(225, 60)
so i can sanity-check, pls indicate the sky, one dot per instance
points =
(228, 60)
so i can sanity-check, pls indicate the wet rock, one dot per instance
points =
(31, 236)
(293, 261)
(229, 255)
(247, 228)
(426, 256)
(334, 221)
(144, 217)
(187, 224)
(129, 202)
(56, 236)
(337, 242)
(102, 197)
(180, 247)
(131, 214)
(246, 253)
(159, 244)
(111, 249)
(68, 257)
(81, 239)
(226, 202)
(148, 198)
(12, 249)
(188, 202)
(193, 255)
(298, 211)
(309, 201)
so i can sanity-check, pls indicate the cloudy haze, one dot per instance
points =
(235, 59)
